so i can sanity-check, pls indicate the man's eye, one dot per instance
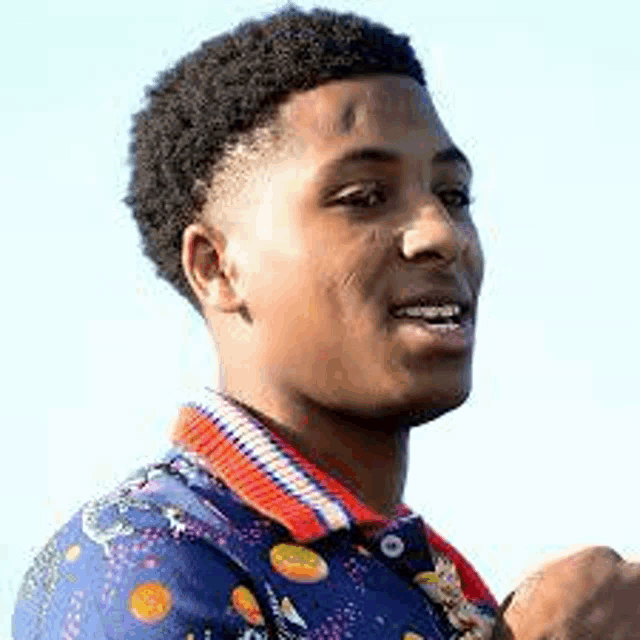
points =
(371, 194)
(454, 198)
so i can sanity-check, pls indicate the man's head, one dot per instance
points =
(295, 183)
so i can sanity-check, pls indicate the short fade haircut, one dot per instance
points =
(225, 93)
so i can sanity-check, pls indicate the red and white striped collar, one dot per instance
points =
(276, 480)
(268, 473)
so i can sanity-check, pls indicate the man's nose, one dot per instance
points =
(432, 233)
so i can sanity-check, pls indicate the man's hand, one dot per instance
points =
(591, 595)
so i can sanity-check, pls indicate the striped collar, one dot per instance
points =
(268, 473)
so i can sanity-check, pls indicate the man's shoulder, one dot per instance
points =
(128, 556)
(172, 499)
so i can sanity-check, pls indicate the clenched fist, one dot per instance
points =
(590, 595)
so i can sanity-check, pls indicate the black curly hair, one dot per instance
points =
(229, 89)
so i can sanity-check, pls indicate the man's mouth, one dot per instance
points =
(440, 313)
(444, 316)
(435, 322)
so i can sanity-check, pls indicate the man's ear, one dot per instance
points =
(206, 266)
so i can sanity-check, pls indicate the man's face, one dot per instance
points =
(337, 243)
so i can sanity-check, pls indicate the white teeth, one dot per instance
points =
(444, 311)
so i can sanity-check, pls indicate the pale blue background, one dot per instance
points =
(97, 353)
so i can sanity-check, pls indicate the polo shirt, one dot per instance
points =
(234, 534)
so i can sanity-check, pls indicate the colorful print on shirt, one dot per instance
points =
(234, 535)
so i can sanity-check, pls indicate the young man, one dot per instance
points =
(294, 182)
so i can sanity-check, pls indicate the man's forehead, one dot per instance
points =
(341, 108)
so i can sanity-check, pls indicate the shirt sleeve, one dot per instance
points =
(149, 584)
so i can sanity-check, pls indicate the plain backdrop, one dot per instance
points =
(97, 353)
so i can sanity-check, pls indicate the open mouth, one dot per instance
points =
(438, 316)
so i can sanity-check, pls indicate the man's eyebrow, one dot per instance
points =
(385, 156)
(365, 154)
(452, 155)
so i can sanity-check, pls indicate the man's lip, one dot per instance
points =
(434, 300)
(422, 337)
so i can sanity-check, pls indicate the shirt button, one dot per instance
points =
(392, 546)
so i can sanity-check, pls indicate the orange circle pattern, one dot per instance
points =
(298, 564)
(245, 603)
(72, 553)
(150, 602)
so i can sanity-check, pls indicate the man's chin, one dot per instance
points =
(434, 405)
(426, 401)
(408, 409)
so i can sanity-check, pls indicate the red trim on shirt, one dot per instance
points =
(358, 511)
(243, 476)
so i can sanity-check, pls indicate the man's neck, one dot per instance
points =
(371, 462)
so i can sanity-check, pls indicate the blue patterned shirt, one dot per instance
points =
(234, 535)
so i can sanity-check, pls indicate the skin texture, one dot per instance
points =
(588, 595)
(297, 298)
